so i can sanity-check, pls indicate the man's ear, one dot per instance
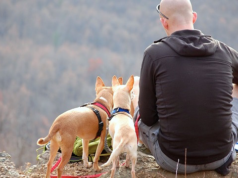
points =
(99, 83)
(195, 16)
(164, 22)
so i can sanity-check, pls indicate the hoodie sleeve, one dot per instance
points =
(147, 96)
(234, 64)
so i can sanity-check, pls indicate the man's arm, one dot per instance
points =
(147, 96)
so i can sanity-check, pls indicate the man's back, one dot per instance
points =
(192, 77)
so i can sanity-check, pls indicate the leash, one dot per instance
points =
(88, 176)
(137, 128)
(55, 165)
(68, 176)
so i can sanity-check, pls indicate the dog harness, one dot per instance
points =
(96, 112)
(116, 111)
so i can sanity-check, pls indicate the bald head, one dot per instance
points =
(179, 12)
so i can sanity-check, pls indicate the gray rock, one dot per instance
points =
(5, 155)
(13, 173)
(44, 157)
(7, 168)
(2, 159)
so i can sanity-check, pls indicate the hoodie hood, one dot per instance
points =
(191, 43)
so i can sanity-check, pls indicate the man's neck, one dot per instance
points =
(179, 28)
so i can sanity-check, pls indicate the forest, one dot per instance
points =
(52, 51)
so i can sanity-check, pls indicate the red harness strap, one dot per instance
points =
(137, 128)
(102, 107)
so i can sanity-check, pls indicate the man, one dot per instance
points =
(185, 101)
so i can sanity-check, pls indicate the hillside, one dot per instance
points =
(52, 51)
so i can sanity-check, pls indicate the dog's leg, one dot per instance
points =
(66, 150)
(133, 164)
(113, 170)
(99, 151)
(53, 151)
(127, 160)
(85, 154)
(117, 161)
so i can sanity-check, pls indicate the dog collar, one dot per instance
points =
(120, 110)
(116, 110)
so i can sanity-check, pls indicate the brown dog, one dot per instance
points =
(82, 122)
(121, 126)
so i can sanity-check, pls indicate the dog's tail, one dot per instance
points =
(116, 152)
(52, 132)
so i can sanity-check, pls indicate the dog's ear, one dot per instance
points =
(99, 83)
(130, 83)
(115, 81)
(120, 79)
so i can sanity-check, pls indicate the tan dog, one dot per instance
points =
(135, 98)
(81, 122)
(121, 126)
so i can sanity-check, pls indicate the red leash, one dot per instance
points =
(67, 176)
(89, 176)
(137, 128)
(55, 165)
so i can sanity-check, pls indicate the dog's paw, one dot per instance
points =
(97, 168)
(88, 164)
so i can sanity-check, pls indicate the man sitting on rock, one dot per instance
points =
(189, 114)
